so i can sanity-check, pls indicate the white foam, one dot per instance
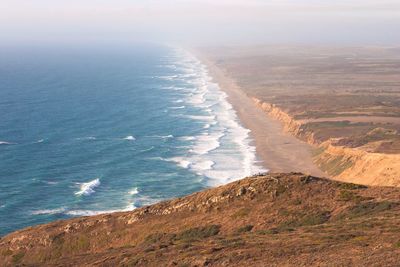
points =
(201, 117)
(48, 211)
(167, 77)
(51, 182)
(201, 166)
(182, 162)
(146, 200)
(86, 138)
(88, 188)
(129, 207)
(223, 152)
(40, 141)
(130, 138)
(162, 136)
(206, 143)
(179, 107)
(187, 138)
(5, 143)
(177, 88)
(134, 191)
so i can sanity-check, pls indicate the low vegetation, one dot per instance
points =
(274, 219)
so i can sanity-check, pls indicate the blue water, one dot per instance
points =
(85, 131)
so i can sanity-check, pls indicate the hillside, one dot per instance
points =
(275, 220)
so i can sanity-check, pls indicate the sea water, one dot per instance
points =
(85, 131)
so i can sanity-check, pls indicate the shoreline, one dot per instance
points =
(278, 151)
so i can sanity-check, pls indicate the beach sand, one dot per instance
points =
(279, 151)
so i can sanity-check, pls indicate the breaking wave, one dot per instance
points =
(130, 138)
(88, 188)
(224, 151)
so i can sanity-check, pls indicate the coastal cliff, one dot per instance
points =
(276, 219)
(356, 165)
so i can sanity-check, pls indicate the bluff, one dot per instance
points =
(337, 159)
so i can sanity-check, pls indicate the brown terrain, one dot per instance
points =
(344, 102)
(266, 220)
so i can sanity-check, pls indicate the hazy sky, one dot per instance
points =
(202, 22)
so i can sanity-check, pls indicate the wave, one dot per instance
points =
(179, 107)
(206, 143)
(51, 182)
(222, 153)
(167, 77)
(88, 188)
(147, 149)
(162, 136)
(130, 138)
(86, 138)
(182, 162)
(40, 141)
(187, 138)
(48, 211)
(65, 211)
(134, 191)
(202, 165)
(6, 143)
(201, 117)
(129, 207)
(171, 66)
(146, 200)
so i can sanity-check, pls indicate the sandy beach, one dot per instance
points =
(279, 151)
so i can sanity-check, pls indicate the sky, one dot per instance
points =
(203, 22)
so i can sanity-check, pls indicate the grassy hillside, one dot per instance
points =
(275, 219)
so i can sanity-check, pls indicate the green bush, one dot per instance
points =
(370, 207)
(346, 195)
(306, 220)
(350, 186)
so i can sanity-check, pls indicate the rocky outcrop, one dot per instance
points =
(354, 165)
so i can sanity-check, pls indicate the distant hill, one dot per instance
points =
(268, 220)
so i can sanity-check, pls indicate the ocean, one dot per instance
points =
(86, 130)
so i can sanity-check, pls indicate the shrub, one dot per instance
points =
(199, 232)
(233, 243)
(6, 253)
(18, 257)
(306, 220)
(370, 207)
(244, 229)
(346, 195)
(350, 186)
(241, 213)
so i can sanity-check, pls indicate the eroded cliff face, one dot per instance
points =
(356, 165)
